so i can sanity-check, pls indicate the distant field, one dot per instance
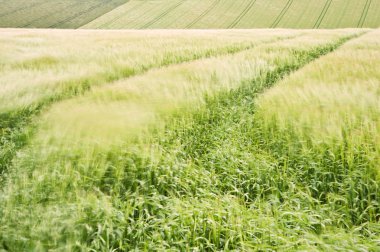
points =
(53, 13)
(198, 14)
(189, 140)
(241, 14)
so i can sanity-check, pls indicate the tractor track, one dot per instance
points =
(196, 20)
(364, 13)
(242, 14)
(282, 14)
(162, 15)
(326, 7)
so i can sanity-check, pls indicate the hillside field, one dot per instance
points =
(190, 140)
(53, 13)
(219, 14)
(190, 14)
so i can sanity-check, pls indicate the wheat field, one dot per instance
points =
(175, 140)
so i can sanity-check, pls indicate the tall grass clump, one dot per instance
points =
(170, 161)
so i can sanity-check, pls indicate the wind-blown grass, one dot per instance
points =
(324, 124)
(40, 68)
(36, 65)
(114, 170)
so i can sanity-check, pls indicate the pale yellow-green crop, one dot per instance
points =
(333, 103)
(38, 66)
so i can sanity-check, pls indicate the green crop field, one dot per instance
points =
(196, 14)
(189, 140)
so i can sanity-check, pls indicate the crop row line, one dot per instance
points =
(242, 14)
(282, 14)
(204, 13)
(364, 13)
(326, 7)
(162, 15)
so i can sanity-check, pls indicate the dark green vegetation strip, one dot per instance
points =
(166, 12)
(326, 7)
(245, 11)
(16, 126)
(282, 13)
(210, 8)
(365, 13)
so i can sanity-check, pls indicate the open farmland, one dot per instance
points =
(189, 140)
(197, 14)
(206, 14)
